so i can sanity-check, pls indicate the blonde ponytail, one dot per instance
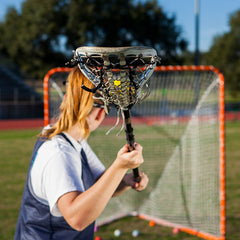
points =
(75, 107)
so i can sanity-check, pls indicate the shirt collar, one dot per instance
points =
(77, 145)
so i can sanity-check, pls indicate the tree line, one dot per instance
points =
(44, 32)
(225, 54)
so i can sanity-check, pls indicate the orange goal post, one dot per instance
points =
(182, 130)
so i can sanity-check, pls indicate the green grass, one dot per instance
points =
(16, 148)
(229, 98)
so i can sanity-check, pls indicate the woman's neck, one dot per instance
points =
(74, 132)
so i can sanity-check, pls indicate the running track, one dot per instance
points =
(38, 123)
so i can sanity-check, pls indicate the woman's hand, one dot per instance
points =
(129, 160)
(129, 181)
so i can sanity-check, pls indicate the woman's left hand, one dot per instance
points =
(129, 181)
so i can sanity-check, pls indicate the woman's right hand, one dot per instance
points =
(129, 160)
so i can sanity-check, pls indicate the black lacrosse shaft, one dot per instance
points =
(130, 140)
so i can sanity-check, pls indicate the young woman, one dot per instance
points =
(67, 186)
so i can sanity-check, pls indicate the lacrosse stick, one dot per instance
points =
(120, 75)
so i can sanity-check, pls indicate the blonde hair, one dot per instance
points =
(75, 107)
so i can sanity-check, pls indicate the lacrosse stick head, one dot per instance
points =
(120, 74)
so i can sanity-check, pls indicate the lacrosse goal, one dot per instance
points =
(181, 128)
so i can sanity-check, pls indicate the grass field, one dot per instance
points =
(16, 148)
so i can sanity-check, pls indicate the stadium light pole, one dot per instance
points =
(197, 55)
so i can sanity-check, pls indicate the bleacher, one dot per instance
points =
(17, 99)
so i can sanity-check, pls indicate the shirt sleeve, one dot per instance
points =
(61, 175)
(95, 164)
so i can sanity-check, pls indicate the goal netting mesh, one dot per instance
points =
(181, 128)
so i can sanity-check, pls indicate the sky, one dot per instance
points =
(213, 17)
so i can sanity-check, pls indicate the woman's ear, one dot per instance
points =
(100, 114)
(95, 118)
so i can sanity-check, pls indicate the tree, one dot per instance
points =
(225, 54)
(124, 22)
(35, 40)
(31, 38)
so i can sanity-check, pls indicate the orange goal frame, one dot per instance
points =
(222, 143)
